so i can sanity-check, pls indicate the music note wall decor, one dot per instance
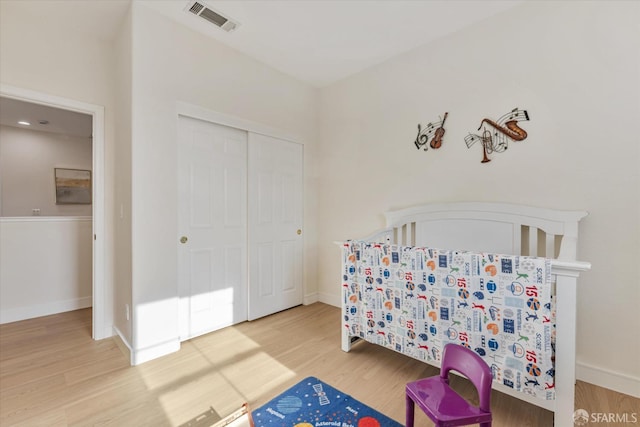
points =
(496, 140)
(435, 131)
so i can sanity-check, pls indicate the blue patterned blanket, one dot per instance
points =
(415, 300)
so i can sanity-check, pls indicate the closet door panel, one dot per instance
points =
(275, 225)
(212, 215)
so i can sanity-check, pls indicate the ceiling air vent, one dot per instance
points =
(216, 18)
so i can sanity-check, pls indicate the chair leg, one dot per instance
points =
(409, 412)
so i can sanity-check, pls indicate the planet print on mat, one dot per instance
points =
(313, 403)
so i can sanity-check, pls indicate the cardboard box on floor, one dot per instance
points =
(239, 418)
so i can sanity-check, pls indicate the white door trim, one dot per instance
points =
(99, 329)
(196, 112)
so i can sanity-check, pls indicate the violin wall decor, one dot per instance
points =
(495, 135)
(431, 135)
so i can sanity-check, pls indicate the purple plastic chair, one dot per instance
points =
(441, 403)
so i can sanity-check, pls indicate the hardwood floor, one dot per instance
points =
(53, 374)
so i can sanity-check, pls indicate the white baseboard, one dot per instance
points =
(39, 310)
(107, 333)
(616, 381)
(123, 344)
(330, 299)
(310, 298)
(137, 357)
(155, 351)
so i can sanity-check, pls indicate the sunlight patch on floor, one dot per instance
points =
(259, 368)
(224, 346)
(211, 391)
(174, 368)
(215, 372)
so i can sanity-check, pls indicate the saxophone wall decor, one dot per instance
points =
(496, 134)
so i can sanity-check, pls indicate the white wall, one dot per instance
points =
(27, 161)
(123, 263)
(39, 56)
(45, 266)
(173, 64)
(575, 67)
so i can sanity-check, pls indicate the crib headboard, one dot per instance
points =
(485, 227)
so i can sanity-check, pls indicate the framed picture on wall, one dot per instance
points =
(73, 186)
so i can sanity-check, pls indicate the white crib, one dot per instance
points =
(506, 229)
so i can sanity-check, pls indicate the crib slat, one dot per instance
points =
(412, 234)
(550, 249)
(517, 239)
(524, 240)
(533, 241)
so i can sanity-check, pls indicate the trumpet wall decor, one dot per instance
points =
(431, 135)
(496, 134)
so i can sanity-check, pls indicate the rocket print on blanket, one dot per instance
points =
(415, 300)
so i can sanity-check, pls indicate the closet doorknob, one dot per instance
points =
(183, 239)
(299, 232)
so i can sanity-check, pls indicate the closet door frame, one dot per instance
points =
(196, 112)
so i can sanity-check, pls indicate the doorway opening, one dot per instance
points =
(26, 98)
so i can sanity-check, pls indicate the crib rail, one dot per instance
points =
(513, 229)
(531, 240)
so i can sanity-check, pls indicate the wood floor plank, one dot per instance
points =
(19, 370)
(30, 399)
(53, 374)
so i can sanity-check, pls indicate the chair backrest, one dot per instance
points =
(468, 363)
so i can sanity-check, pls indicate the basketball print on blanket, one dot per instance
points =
(415, 300)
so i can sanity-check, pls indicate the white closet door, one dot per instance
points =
(275, 225)
(212, 216)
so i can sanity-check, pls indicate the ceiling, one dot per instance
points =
(58, 121)
(323, 41)
(315, 41)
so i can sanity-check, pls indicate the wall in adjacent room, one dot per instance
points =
(45, 266)
(27, 162)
